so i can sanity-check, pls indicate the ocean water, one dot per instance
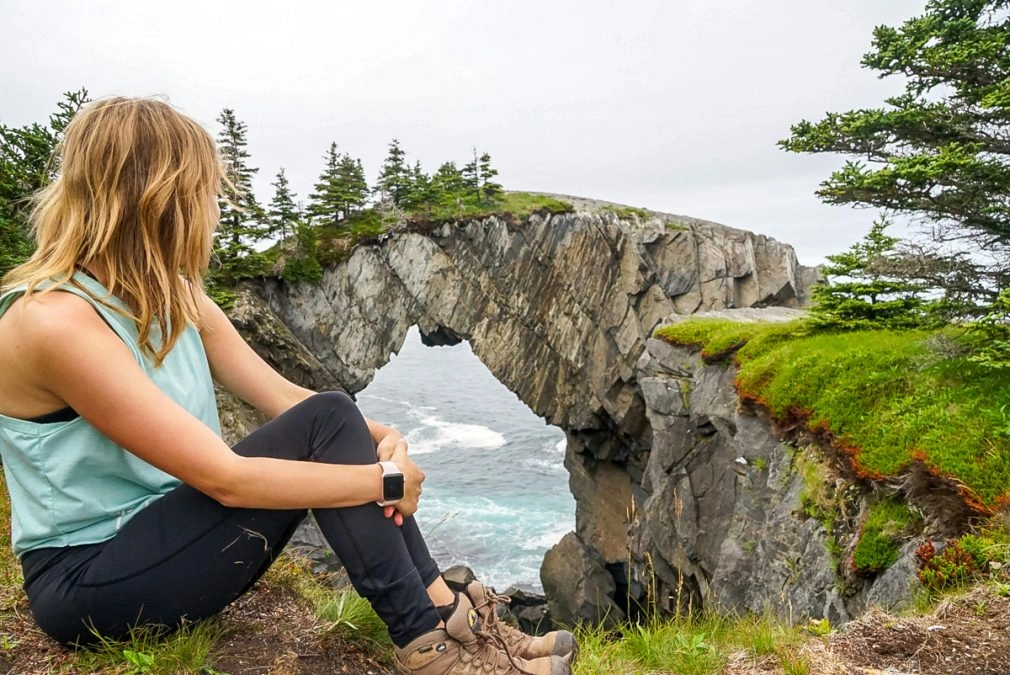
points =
(496, 495)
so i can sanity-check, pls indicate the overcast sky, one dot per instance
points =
(674, 106)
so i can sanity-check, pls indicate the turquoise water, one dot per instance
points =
(496, 495)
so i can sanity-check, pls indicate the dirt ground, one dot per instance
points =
(273, 632)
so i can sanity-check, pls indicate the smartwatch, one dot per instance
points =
(392, 484)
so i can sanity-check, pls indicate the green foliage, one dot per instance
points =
(816, 498)
(989, 337)
(952, 568)
(222, 297)
(394, 177)
(243, 222)
(883, 394)
(888, 522)
(26, 164)
(697, 645)
(302, 260)
(341, 190)
(347, 614)
(865, 295)
(283, 213)
(937, 152)
(984, 555)
(628, 212)
(190, 649)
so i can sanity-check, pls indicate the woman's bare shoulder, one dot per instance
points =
(51, 314)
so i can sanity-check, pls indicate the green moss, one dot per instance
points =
(887, 523)
(882, 394)
(522, 204)
(628, 212)
(816, 499)
(337, 241)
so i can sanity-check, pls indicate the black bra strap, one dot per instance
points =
(67, 414)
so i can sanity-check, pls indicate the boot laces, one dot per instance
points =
(491, 646)
(510, 635)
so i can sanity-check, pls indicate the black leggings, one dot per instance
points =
(185, 556)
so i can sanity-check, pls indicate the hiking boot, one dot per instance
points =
(558, 643)
(463, 647)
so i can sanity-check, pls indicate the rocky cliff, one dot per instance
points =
(730, 512)
(560, 308)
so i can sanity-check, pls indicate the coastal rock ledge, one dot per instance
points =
(560, 308)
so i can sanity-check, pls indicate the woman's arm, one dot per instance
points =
(242, 371)
(245, 374)
(74, 355)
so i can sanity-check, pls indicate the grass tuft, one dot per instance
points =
(887, 524)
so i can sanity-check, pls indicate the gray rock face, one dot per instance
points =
(664, 465)
(724, 522)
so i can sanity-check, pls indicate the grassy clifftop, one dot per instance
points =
(888, 400)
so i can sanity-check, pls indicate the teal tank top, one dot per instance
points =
(68, 483)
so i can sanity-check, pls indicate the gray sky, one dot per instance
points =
(674, 106)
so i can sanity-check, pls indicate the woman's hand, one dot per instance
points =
(387, 445)
(413, 476)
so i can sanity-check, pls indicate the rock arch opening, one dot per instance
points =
(497, 492)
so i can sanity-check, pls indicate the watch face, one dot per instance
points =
(392, 487)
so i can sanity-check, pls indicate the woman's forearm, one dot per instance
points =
(268, 483)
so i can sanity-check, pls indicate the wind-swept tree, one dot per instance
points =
(489, 189)
(940, 151)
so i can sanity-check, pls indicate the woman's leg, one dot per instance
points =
(187, 556)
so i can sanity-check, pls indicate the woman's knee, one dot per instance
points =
(339, 432)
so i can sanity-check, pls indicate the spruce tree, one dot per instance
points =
(242, 219)
(353, 184)
(448, 187)
(471, 176)
(283, 212)
(489, 190)
(938, 151)
(394, 178)
(419, 192)
(328, 200)
(865, 294)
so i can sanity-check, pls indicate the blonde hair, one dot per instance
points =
(135, 200)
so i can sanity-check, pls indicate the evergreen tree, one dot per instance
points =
(282, 212)
(328, 200)
(419, 192)
(448, 187)
(302, 263)
(865, 295)
(242, 219)
(353, 184)
(394, 178)
(471, 176)
(489, 190)
(938, 152)
(26, 165)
